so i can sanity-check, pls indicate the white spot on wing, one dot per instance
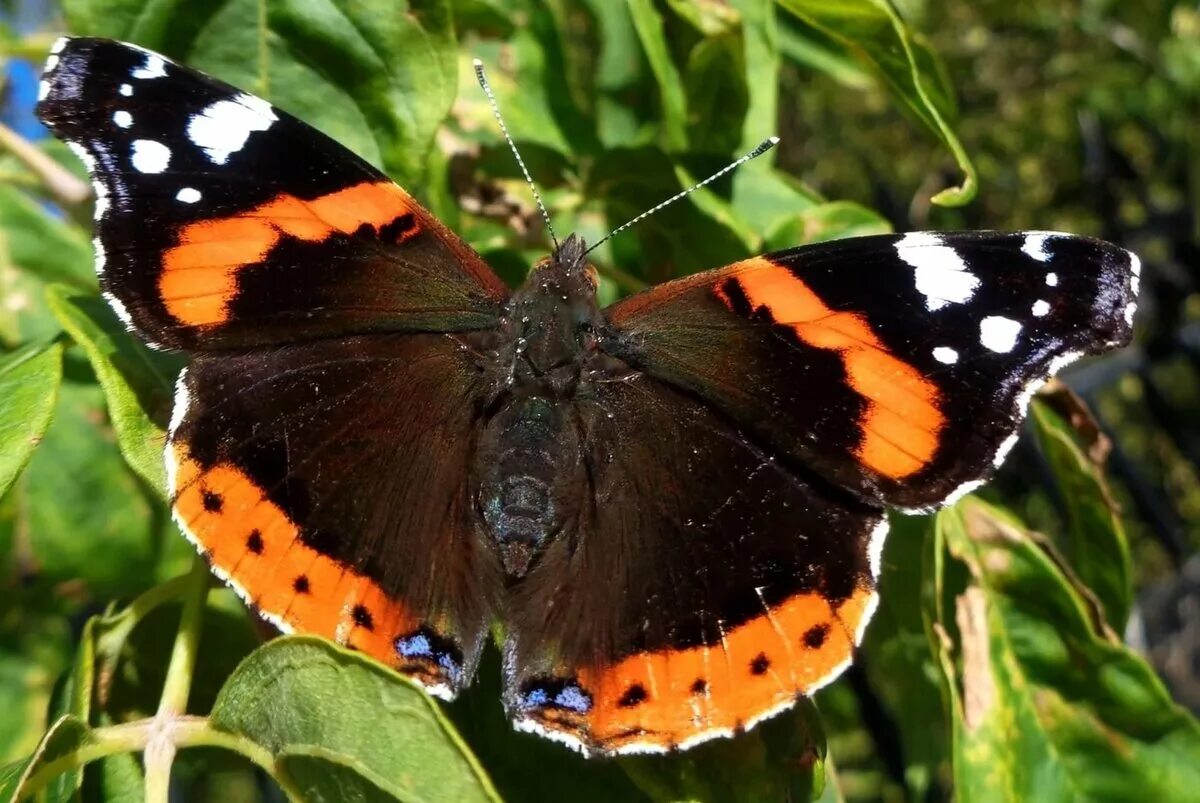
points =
(940, 273)
(1052, 279)
(999, 334)
(58, 45)
(222, 128)
(1041, 308)
(125, 89)
(154, 67)
(51, 63)
(1035, 246)
(188, 195)
(1130, 309)
(122, 118)
(43, 90)
(946, 355)
(149, 156)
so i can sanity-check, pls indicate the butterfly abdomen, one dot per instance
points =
(529, 478)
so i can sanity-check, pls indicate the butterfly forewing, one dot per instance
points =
(224, 222)
(897, 366)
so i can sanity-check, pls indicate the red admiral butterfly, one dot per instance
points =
(674, 505)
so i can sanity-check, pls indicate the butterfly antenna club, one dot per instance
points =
(763, 147)
(481, 76)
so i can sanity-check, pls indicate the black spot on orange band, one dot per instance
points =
(263, 554)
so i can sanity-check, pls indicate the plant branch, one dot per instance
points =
(160, 749)
(62, 184)
(131, 737)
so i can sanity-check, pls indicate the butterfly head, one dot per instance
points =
(569, 262)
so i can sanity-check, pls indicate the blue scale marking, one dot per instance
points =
(417, 646)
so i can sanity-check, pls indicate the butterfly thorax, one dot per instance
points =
(530, 466)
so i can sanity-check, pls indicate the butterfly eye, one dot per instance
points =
(593, 277)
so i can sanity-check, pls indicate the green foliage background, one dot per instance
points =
(994, 669)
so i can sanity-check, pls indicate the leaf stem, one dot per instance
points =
(111, 641)
(131, 737)
(62, 184)
(161, 746)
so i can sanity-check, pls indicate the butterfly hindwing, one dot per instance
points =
(325, 482)
(897, 366)
(716, 584)
(224, 222)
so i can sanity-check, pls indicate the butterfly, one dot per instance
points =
(672, 507)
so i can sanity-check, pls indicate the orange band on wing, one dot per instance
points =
(902, 418)
(199, 276)
(666, 698)
(257, 549)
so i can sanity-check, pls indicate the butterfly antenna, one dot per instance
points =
(763, 147)
(491, 96)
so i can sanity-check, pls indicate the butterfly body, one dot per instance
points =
(675, 506)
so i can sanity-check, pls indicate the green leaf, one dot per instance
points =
(137, 382)
(717, 94)
(135, 652)
(673, 98)
(896, 655)
(35, 648)
(377, 75)
(781, 759)
(74, 700)
(1094, 542)
(42, 245)
(828, 221)
(701, 232)
(323, 776)
(874, 31)
(760, 34)
(29, 382)
(1047, 703)
(66, 736)
(89, 519)
(300, 692)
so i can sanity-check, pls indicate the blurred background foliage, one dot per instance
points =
(1012, 654)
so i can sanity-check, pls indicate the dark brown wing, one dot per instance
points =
(327, 483)
(705, 587)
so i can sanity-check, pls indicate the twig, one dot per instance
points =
(161, 747)
(61, 183)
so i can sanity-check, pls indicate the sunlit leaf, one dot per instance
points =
(874, 31)
(29, 382)
(1046, 702)
(1094, 543)
(300, 692)
(137, 382)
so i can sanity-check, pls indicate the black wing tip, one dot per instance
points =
(71, 63)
